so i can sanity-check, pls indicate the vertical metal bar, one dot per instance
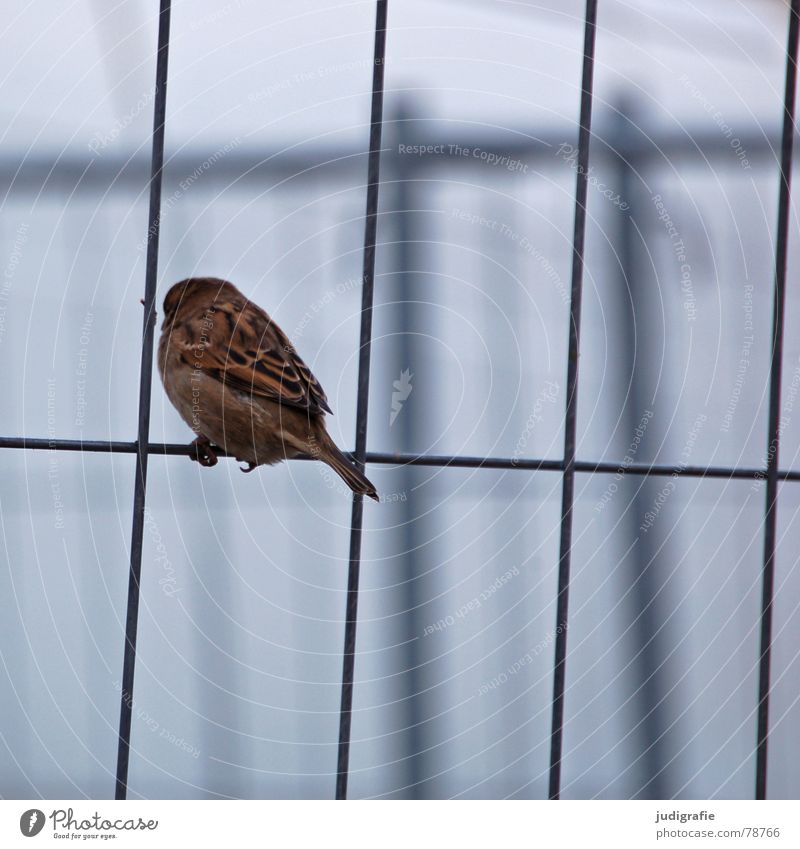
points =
(775, 402)
(570, 424)
(145, 381)
(362, 408)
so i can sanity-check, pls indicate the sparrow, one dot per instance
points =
(237, 381)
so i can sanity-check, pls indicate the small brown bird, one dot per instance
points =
(237, 381)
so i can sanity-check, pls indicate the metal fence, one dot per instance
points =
(625, 159)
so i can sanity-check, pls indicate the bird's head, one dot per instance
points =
(197, 294)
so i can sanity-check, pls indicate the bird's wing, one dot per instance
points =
(247, 351)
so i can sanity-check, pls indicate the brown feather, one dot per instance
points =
(245, 348)
(236, 379)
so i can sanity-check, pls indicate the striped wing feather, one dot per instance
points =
(247, 351)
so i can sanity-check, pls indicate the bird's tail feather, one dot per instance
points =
(347, 471)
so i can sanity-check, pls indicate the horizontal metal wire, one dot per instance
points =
(441, 460)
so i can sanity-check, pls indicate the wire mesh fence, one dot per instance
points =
(627, 157)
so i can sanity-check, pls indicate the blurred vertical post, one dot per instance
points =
(636, 337)
(409, 438)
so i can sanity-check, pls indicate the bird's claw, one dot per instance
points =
(250, 466)
(204, 453)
